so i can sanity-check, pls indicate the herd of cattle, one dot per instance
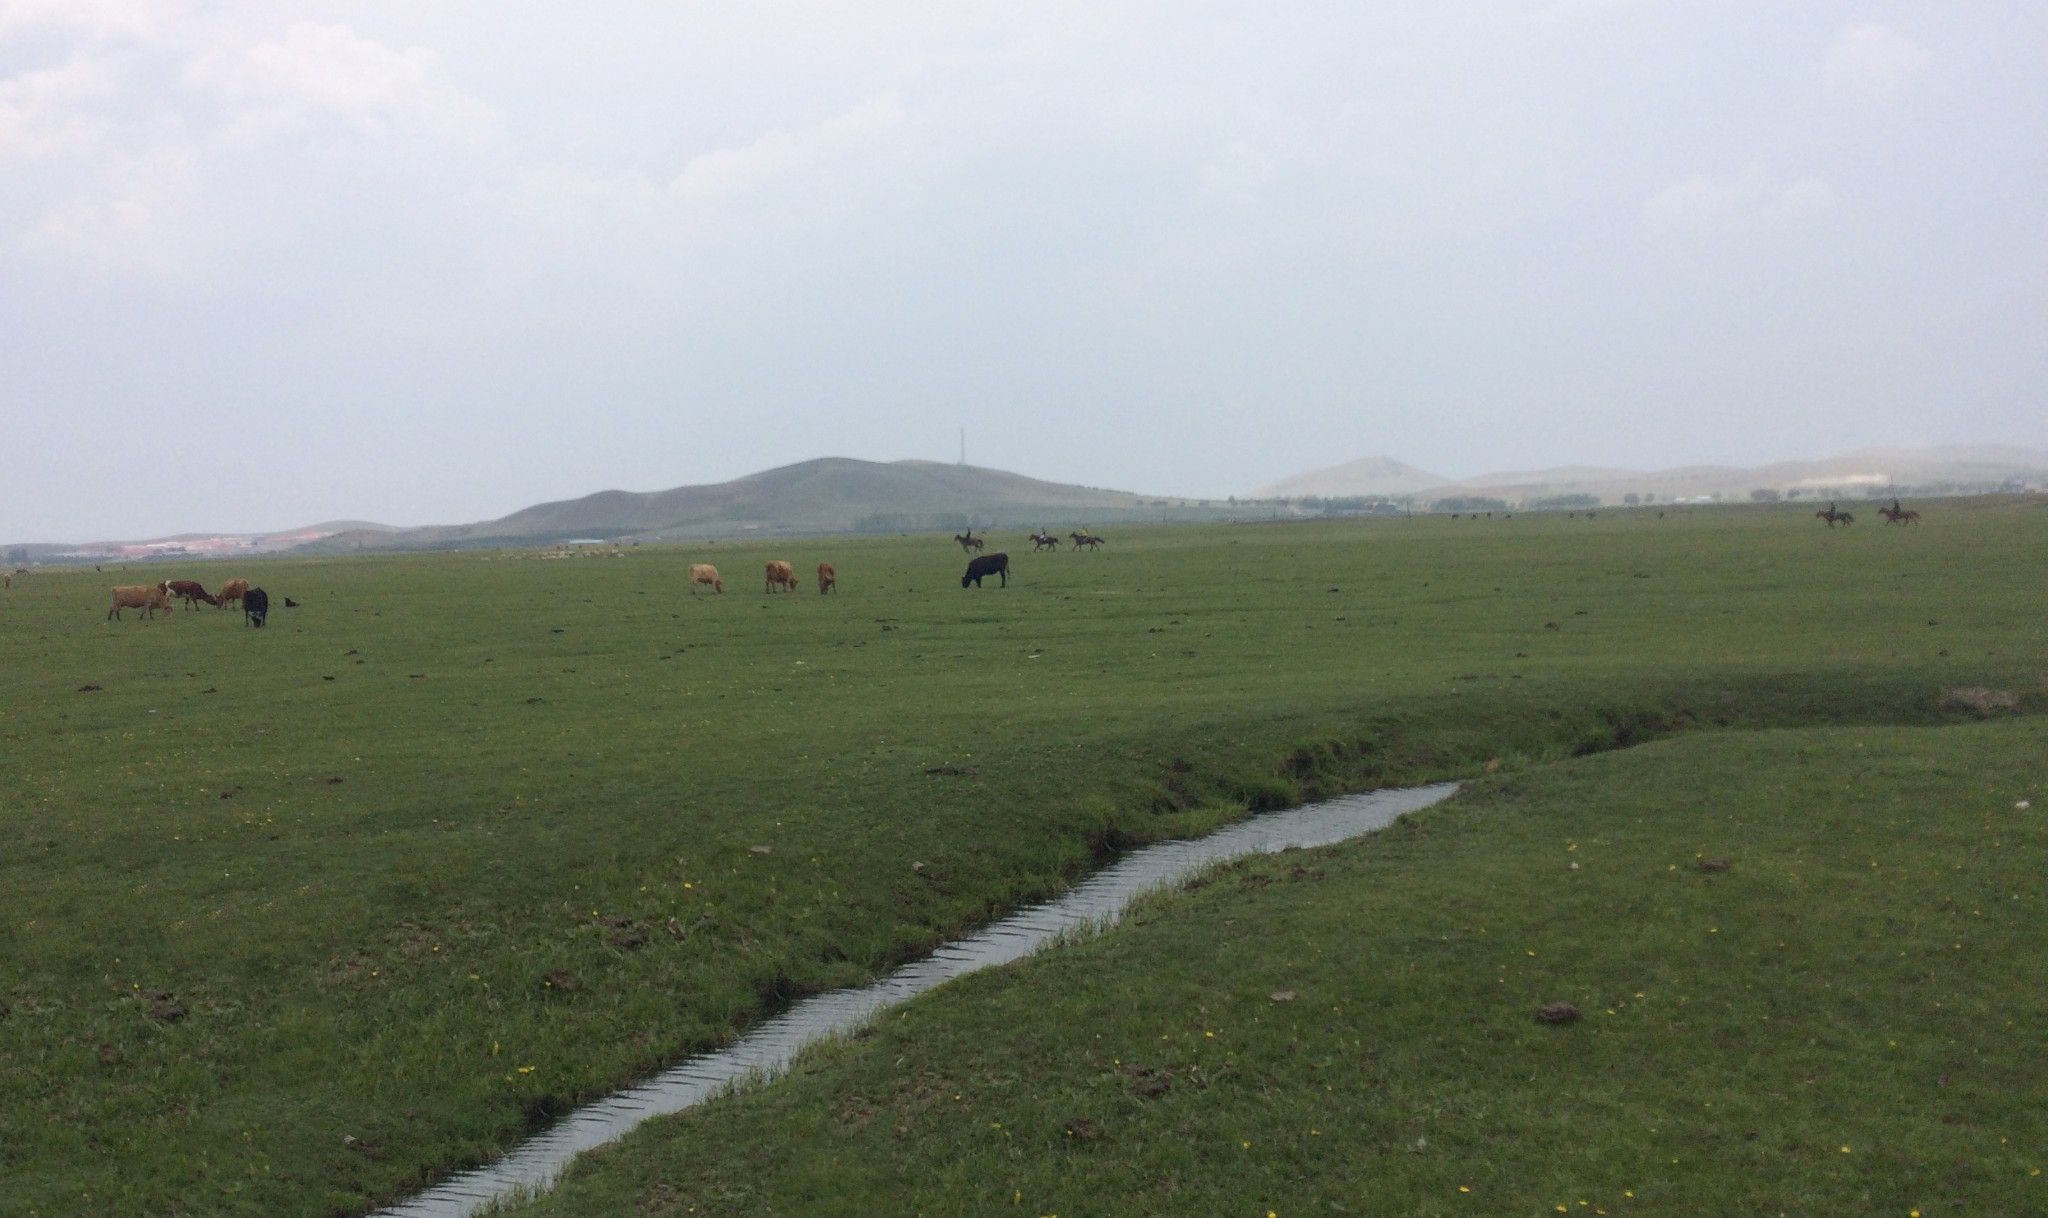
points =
(779, 576)
(149, 598)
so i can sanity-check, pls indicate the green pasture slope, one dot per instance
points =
(298, 919)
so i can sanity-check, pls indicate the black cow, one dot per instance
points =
(256, 605)
(987, 564)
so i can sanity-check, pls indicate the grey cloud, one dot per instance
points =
(434, 262)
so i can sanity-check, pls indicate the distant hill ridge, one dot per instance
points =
(1955, 467)
(1380, 475)
(824, 495)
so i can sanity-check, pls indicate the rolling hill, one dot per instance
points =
(826, 495)
(1367, 476)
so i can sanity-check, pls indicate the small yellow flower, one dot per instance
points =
(1463, 1189)
(526, 1069)
(1845, 1150)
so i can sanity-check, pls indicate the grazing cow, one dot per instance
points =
(828, 579)
(135, 596)
(231, 591)
(705, 573)
(289, 603)
(987, 564)
(256, 605)
(781, 575)
(191, 592)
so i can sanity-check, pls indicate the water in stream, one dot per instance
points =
(769, 1049)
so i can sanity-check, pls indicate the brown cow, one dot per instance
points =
(705, 573)
(137, 596)
(828, 579)
(231, 591)
(190, 591)
(781, 575)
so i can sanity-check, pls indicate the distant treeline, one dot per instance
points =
(1351, 505)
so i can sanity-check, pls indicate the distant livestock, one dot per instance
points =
(828, 579)
(230, 591)
(256, 605)
(987, 564)
(190, 591)
(706, 574)
(781, 575)
(149, 600)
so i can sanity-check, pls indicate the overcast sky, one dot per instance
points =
(266, 264)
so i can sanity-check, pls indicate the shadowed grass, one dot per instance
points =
(470, 837)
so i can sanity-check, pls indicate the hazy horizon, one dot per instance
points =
(265, 267)
(1472, 480)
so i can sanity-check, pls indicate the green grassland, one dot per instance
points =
(1847, 1020)
(471, 837)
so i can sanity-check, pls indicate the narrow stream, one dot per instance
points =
(769, 1049)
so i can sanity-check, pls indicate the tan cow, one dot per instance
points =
(828, 579)
(231, 591)
(781, 575)
(705, 573)
(138, 596)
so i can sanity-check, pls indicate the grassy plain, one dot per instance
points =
(470, 837)
(1847, 1020)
